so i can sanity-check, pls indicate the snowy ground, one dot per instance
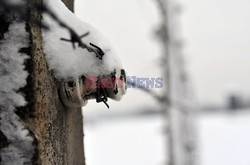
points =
(133, 141)
(224, 138)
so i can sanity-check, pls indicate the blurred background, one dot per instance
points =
(202, 114)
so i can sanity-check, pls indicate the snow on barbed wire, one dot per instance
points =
(66, 61)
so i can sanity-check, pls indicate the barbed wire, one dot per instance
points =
(157, 97)
(20, 12)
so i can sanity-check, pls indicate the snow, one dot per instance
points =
(62, 58)
(13, 77)
(132, 141)
(224, 138)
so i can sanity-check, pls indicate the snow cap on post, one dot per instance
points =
(74, 49)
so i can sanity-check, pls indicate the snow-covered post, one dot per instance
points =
(51, 64)
(59, 129)
(43, 131)
(180, 105)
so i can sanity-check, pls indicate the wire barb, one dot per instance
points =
(101, 94)
(99, 50)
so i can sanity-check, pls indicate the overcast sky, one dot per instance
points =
(216, 34)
